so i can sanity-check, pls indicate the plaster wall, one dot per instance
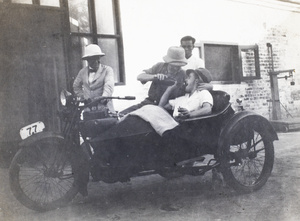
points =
(151, 26)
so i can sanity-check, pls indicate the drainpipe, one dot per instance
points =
(276, 112)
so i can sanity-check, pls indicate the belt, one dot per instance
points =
(152, 100)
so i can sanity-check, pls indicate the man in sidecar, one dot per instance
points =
(195, 102)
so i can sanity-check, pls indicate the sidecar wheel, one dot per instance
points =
(247, 157)
(41, 176)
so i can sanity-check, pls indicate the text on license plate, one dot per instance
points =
(32, 129)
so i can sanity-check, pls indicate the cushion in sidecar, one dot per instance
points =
(221, 101)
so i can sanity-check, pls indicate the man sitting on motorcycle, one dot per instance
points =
(195, 102)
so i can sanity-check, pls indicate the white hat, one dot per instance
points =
(175, 56)
(92, 50)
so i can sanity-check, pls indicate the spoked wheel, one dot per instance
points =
(41, 175)
(248, 157)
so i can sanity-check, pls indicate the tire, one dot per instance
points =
(41, 175)
(247, 157)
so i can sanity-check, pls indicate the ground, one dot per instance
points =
(186, 198)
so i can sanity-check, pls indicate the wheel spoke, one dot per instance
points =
(251, 155)
(43, 175)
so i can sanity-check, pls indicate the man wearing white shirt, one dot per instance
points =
(195, 102)
(193, 61)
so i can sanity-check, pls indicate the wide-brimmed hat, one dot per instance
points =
(203, 73)
(175, 56)
(92, 50)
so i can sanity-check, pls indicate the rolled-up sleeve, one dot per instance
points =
(109, 82)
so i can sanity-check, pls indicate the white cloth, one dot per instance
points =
(191, 103)
(158, 117)
(194, 62)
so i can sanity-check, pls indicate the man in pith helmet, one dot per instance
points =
(158, 73)
(96, 79)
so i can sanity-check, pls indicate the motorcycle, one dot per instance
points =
(51, 168)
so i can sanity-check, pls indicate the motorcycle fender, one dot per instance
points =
(39, 136)
(269, 131)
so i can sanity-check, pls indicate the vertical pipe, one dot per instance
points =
(276, 113)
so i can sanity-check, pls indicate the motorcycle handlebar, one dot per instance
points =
(91, 103)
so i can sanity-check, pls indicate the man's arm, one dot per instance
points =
(164, 100)
(204, 110)
(205, 86)
(109, 83)
(77, 85)
(144, 77)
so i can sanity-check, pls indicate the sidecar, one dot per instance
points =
(241, 146)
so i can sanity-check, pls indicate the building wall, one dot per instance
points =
(151, 26)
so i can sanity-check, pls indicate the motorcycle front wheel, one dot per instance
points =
(41, 175)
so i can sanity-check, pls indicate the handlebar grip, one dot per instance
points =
(129, 97)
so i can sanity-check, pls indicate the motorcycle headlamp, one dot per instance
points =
(65, 97)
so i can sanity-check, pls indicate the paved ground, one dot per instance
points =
(186, 198)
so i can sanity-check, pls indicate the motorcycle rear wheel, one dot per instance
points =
(41, 175)
(248, 157)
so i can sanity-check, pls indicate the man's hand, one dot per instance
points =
(205, 86)
(183, 113)
(161, 77)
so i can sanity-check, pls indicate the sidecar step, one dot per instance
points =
(190, 162)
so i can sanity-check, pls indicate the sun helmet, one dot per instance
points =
(92, 50)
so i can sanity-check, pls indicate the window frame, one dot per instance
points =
(34, 3)
(256, 61)
(238, 76)
(95, 36)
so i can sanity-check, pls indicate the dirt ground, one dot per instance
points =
(186, 198)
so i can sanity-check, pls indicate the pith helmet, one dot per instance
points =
(92, 50)
(175, 56)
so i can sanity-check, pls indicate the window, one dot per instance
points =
(79, 16)
(54, 3)
(97, 21)
(231, 63)
(22, 1)
(250, 62)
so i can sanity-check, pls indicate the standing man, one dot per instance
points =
(193, 61)
(157, 74)
(96, 79)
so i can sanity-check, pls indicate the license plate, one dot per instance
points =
(31, 129)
